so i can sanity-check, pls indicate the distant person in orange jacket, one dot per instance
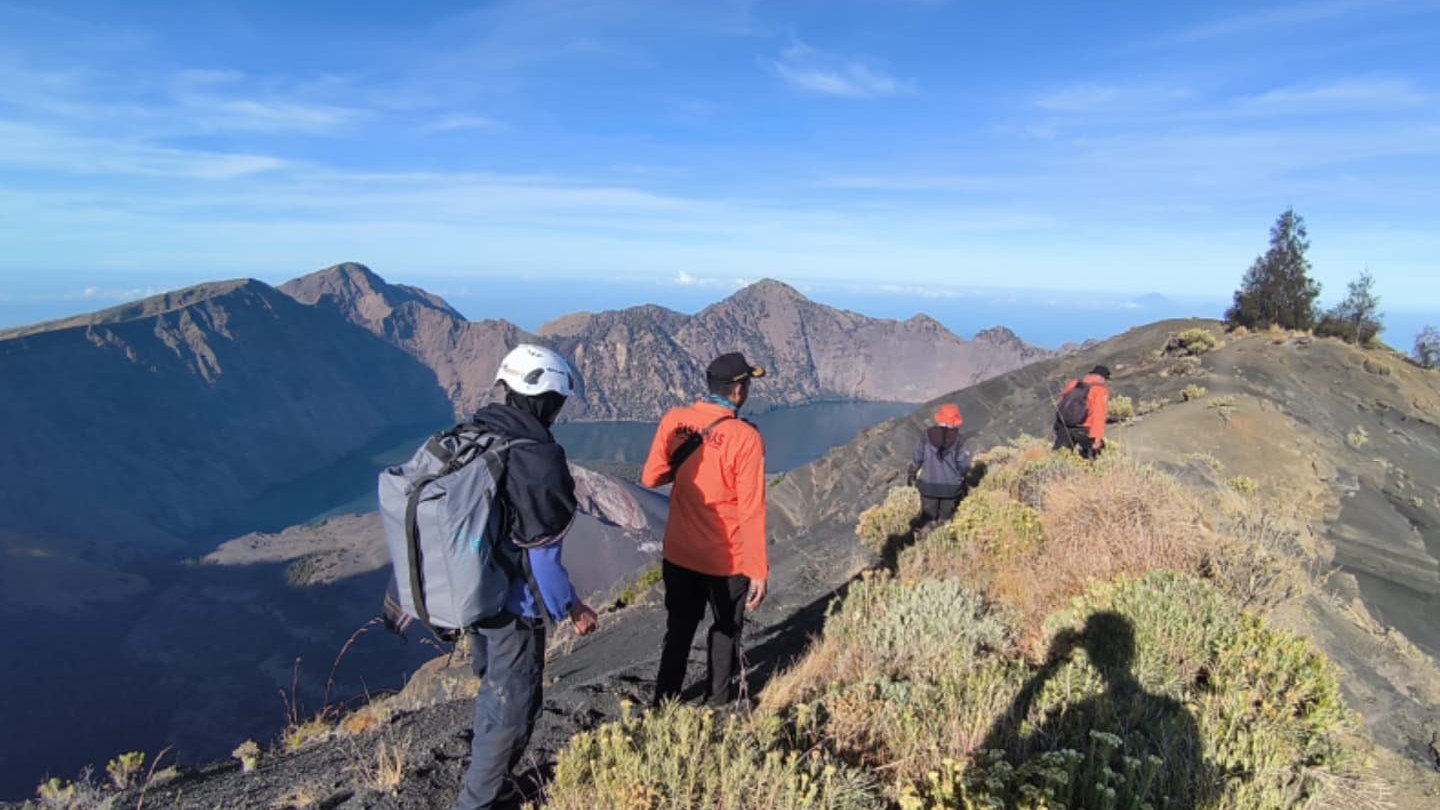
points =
(942, 463)
(714, 547)
(1081, 411)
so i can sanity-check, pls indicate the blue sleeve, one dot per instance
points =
(553, 580)
(917, 458)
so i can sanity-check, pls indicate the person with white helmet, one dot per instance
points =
(539, 506)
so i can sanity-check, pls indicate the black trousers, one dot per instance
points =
(509, 659)
(1077, 438)
(938, 510)
(686, 595)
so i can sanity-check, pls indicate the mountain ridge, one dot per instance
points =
(639, 361)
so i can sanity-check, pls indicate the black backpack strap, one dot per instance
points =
(412, 549)
(534, 587)
(528, 574)
(692, 443)
(497, 471)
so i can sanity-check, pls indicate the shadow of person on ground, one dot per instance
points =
(1149, 743)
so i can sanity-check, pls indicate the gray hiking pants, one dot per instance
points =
(509, 658)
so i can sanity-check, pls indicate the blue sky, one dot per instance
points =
(900, 148)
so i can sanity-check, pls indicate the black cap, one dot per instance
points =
(1103, 371)
(732, 367)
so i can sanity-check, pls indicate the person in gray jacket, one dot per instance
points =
(942, 463)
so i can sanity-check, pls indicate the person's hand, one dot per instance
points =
(757, 594)
(584, 619)
(1099, 443)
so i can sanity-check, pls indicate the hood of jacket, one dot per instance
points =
(512, 422)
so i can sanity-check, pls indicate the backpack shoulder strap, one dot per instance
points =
(692, 443)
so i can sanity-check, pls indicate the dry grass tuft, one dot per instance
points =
(299, 735)
(374, 715)
(384, 772)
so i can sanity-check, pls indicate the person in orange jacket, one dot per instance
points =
(714, 546)
(1081, 411)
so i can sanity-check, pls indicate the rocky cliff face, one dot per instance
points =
(153, 420)
(817, 352)
(639, 362)
(645, 360)
(463, 355)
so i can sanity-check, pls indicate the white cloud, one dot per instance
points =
(1296, 14)
(812, 71)
(685, 279)
(131, 294)
(460, 123)
(1342, 96)
(46, 149)
(1100, 98)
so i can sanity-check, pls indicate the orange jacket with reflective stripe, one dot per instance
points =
(717, 501)
(1097, 401)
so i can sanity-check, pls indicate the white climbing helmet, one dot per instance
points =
(530, 370)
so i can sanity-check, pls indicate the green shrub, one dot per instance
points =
(680, 757)
(642, 585)
(56, 792)
(1121, 409)
(1243, 484)
(905, 728)
(1148, 406)
(82, 794)
(1191, 342)
(993, 524)
(1185, 367)
(888, 628)
(1205, 461)
(249, 755)
(1192, 391)
(298, 735)
(1266, 708)
(1357, 438)
(893, 518)
(1026, 480)
(1054, 779)
(125, 768)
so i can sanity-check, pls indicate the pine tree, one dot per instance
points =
(1277, 289)
(1427, 347)
(1357, 318)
